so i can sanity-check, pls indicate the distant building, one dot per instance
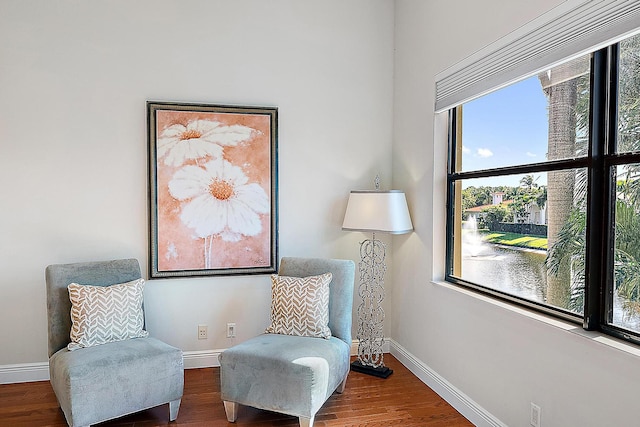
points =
(497, 197)
(534, 215)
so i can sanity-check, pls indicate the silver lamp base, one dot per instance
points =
(370, 313)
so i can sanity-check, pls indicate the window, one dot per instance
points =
(544, 191)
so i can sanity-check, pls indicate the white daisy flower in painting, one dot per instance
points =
(220, 200)
(199, 138)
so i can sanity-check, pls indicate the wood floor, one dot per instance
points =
(400, 400)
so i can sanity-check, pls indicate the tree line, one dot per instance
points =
(520, 199)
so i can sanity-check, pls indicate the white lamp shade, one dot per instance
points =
(384, 211)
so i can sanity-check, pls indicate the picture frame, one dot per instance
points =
(213, 193)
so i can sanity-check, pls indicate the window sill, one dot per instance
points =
(567, 326)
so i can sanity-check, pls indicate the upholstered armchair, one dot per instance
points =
(294, 374)
(95, 381)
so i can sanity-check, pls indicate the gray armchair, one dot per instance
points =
(294, 375)
(106, 381)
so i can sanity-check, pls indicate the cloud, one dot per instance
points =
(530, 154)
(465, 150)
(484, 152)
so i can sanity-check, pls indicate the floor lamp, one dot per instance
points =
(374, 211)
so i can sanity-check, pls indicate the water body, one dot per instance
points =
(519, 272)
(511, 270)
(514, 271)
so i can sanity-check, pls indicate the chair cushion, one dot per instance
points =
(341, 288)
(102, 382)
(288, 374)
(102, 314)
(300, 306)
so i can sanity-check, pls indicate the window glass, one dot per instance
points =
(524, 234)
(629, 96)
(544, 117)
(626, 266)
(505, 242)
(624, 304)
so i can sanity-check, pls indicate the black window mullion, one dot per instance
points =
(612, 116)
(610, 186)
(452, 158)
(596, 195)
(451, 191)
(554, 165)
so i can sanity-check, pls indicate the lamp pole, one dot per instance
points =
(370, 333)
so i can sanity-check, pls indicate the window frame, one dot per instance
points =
(600, 162)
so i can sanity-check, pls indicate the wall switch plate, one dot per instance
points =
(231, 330)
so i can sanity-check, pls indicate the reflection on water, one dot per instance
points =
(623, 317)
(514, 271)
(521, 273)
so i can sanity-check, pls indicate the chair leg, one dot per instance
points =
(306, 422)
(343, 384)
(231, 409)
(174, 407)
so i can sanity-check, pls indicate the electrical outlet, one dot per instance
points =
(231, 330)
(536, 413)
(202, 332)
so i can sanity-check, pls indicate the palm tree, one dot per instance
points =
(528, 182)
(562, 101)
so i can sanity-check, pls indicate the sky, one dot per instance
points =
(505, 128)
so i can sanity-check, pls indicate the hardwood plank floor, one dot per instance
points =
(400, 400)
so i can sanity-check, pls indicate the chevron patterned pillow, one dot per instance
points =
(102, 314)
(300, 306)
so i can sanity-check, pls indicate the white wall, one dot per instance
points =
(501, 358)
(74, 79)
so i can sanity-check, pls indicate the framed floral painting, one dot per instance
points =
(212, 189)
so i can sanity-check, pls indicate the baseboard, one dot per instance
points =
(385, 346)
(24, 372)
(201, 359)
(209, 358)
(28, 372)
(460, 401)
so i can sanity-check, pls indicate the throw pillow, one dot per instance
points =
(102, 314)
(300, 306)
